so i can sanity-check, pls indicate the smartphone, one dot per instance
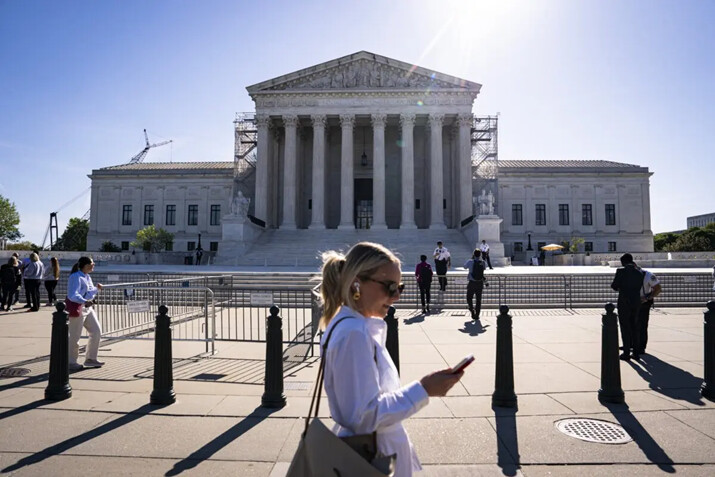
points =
(463, 364)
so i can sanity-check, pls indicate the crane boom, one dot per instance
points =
(142, 154)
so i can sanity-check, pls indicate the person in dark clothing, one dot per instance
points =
(442, 261)
(628, 282)
(199, 254)
(423, 273)
(18, 278)
(8, 284)
(476, 283)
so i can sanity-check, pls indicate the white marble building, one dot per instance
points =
(365, 141)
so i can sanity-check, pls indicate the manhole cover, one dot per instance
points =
(594, 430)
(13, 372)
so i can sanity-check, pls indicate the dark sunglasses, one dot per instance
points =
(391, 288)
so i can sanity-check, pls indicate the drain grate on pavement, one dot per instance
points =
(593, 430)
(13, 372)
(297, 385)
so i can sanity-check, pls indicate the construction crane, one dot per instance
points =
(140, 157)
(52, 229)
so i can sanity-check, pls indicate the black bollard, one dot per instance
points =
(273, 395)
(58, 386)
(392, 341)
(504, 395)
(163, 393)
(611, 390)
(707, 390)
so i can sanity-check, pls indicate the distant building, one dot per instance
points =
(701, 220)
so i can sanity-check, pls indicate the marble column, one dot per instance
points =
(318, 209)
(261, 197)
(378, 171)
(290, 175)
(464, 160)
(436, 176)
(347, 122)
(407, 122)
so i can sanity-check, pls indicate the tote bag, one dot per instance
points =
(322, 453)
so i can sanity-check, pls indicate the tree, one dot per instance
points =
(152, 239)
(575, 243)
(9, 220)
(660, 241)
(695, 239)
(74, 238)
(25, 245)
(109, 246)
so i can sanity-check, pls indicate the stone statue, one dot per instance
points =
(490, 203)
(239, 205)
(483, 200)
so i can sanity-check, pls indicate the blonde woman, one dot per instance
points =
(51, 277)
(361, 381)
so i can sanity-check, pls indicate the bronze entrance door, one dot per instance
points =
(363, 203)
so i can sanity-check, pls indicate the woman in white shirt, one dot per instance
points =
(80, 293)
(361, 381)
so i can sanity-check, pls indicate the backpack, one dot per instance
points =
(426, 275)
(478, 270)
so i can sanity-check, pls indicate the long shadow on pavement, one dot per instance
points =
(507, 440)
(80, 439)
(474, 328)
(205, 452)
(640, 436)
(27, 407)
(669, 380)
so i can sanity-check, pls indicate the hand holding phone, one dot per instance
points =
(463, 364)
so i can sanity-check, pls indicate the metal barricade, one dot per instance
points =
(128, 311)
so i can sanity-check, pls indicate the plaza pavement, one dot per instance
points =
(217, 426)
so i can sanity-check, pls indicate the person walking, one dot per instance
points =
(628, 282)
(442, 261)
(423, 273)
(484, 248)
(362, 384)
(8, 284)
(199, 254)
(475, 283)
(649, 290)
(33, 273)
(51, 277)
(80, 293)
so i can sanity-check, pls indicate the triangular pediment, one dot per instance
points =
(363, 71)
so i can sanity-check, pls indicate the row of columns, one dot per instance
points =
(347, 123)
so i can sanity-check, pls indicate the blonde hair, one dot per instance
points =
(340, 271)
(34, 257)
(55, 267)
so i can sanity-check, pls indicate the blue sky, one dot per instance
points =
(627, 81)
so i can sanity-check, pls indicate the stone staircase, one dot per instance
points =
(302, 247)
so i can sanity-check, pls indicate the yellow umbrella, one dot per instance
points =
(552, 246)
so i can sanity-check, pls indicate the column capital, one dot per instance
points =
(319, 120)
(465, 120)
(436, 119)
(263, 121)
(347, 120)
(407, 120)
(290, 120)
(378, 120)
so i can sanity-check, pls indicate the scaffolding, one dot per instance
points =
(485, 157)
(245, 139)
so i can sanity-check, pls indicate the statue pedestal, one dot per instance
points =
(489, 230)
(237, 235)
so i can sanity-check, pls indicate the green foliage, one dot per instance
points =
(152, 239)
(110, 247)
(74, 238)
(9, 220)
(26, 245)
(575, 243)
(695, 239)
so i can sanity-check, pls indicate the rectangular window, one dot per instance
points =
(588, 247)
(586, 214)
(213, 246)
(193, 217)
(518, 246)
(190, 246)
(611, 246)
(563, 214)
(169, 246)
(215, 214)
(516, 217)
(127, 215)
(170, 215)
(540, 214)
(148, 215)
(125, 245)
(610, 214)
